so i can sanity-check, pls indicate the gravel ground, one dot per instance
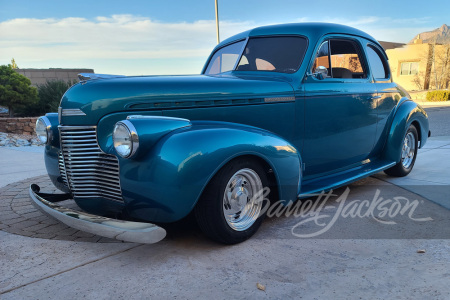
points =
(18, 140)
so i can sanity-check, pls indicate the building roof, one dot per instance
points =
(390, 45)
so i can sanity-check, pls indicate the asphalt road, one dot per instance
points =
(439, 118)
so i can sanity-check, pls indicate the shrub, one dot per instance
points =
(50, 94)
(438, 95)
(16, 91)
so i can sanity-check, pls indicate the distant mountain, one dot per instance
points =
(441, 34)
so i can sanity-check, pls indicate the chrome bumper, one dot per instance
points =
(135, 232)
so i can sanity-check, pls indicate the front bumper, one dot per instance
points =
(128, 231)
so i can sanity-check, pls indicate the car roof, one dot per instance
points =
(312, 31)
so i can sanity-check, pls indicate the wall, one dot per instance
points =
(40, 76)
(410, 53)
(419, 95)
(18, 125)
(423, 54)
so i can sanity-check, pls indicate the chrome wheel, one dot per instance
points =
(241, 207)
(408, 153)
(408, 150)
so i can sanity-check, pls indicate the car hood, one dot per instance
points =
(99, 97)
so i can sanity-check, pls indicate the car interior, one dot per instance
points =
(344, 59)
(279, 54)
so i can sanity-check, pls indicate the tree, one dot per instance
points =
(13, 64)
(417, 80)
(437, 72)
(441, 66)
(15, 90)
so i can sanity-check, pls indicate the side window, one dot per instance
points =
(322, 58)
(346, 60)
(376, 60)
(342, 58)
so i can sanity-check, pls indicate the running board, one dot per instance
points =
(327, 183)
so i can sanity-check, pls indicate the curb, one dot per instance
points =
(432, 103)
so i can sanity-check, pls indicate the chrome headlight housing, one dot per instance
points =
(44, 130)
(125, 138)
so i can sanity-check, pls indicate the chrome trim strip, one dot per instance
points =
(88, 132)
(134, 232)
(77, 127)
(67, 112)
(279, 99)
(132, 117)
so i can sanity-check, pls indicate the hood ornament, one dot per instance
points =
(90, 76)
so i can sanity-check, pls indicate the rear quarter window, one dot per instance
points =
(377, 63)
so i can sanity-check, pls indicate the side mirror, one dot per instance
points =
(320, 72)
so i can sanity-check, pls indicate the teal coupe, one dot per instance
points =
(290, 109)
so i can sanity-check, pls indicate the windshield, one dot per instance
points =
(225, 59)
(282, 54)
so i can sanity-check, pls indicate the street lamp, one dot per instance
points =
(217, 22)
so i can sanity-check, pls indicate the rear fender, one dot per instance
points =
(407, 113)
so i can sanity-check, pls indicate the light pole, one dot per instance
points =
(217, 22)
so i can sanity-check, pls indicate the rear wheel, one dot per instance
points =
(229, 210)
(409, 153)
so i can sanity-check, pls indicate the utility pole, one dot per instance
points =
(217, 22)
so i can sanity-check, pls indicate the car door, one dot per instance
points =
(340, 108)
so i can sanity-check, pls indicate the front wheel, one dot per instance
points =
(230, 209)
(409, 153)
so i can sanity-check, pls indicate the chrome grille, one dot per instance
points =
(62, 168)
(88, 170)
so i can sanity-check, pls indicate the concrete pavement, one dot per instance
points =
(356, 258)
(430, 177)
(18, 163)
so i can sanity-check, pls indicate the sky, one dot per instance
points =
(147, 37)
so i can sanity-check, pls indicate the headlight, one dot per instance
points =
(126, 140)
(44, 130)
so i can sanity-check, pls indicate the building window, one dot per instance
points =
(409, 68)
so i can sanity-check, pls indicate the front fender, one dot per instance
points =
(51, 154)
(407, 113)
(166, 183)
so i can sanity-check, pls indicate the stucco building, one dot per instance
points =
(413, 65)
